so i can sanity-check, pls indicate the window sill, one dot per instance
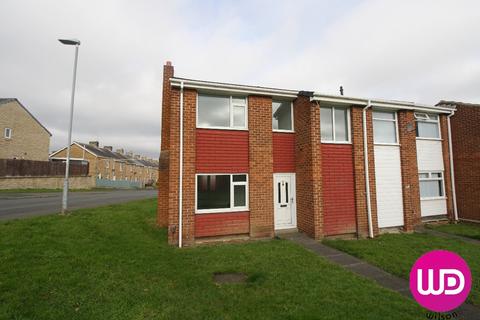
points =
(336, 142)
(387, 144)
(429, 139)
(283, 131)
(433, 198)
(229, 210)
(223, 128)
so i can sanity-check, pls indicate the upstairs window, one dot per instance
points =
(282, 116)
(222, 192)
(431, 185)
(428, 125)
(385, 127)
(7, 133)
(334, 124)
(222, 112)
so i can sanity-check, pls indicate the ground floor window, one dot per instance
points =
(221, 192)
(431, 185)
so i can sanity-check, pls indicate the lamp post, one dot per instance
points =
(76, 43)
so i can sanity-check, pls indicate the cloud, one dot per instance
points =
(410, 50)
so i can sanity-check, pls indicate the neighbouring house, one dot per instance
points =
(466, 157)
(23, 136)
(247, 161)
(106, 164)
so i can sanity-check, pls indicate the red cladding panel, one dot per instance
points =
(221, 224)
(338, 189)
(283, 152)
(221, 151)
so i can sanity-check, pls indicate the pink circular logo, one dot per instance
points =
(440, 280)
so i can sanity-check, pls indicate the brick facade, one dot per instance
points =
(29, 139)
(260, 166)
(331, 197)
(409, 167)
(446, 164)
(466, 159)
(308, 167)
(163, 168)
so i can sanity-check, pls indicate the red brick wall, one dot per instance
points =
(222, 151)
(220, 224)
(409, 167)
(359, 171)
(308, 167)
(189, 124)
(283, 152)
(339, 214)
(466, 159)
(260, 166)
(446, 164)
(163, 173)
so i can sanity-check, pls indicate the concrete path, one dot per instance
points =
(362, 268)
(19, 205)
(441, 234)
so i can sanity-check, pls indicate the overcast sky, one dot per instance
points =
(420, 51)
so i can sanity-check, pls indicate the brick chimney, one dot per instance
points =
(137, 156)
(168, 72)
(108, 148)
(130, 154)
(121, 151)
(94, 143)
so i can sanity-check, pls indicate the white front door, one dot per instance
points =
(284, 200)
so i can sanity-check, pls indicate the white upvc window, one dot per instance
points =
(107, 164)
(221, 193)
(335, 124)
(385, 129)
(282, 116)
(428, 125)
(222, 112)
(432, 185)
(121, 166)
(7, 134)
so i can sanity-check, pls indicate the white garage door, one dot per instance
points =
(388, 180)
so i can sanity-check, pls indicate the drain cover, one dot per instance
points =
(231, 277)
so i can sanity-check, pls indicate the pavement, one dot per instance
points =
(20, 205)
(364, 269)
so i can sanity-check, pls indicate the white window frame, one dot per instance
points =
(425, 117)
(395, 120)
(291, 112)
(349, 131)
(430, 178)
(107, 164)
(9, 135)
(232, 185)
(231, 127)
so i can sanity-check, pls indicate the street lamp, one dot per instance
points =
(76, 43)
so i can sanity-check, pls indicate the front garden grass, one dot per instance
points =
(465, 229)
(114, 263)
(396, 253)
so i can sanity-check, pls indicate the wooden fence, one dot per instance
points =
(31, 168)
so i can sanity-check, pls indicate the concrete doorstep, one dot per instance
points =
(362, 268)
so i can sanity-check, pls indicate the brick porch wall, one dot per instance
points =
(308, 167)
(446, 164)
(163, 168)
(409, 167)
(260, 166)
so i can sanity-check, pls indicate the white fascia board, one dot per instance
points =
(388, 104)
(233, 88)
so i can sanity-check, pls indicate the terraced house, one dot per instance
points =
(242, 161)
(104, 163)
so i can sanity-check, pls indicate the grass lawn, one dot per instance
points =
(396, 253)
(464, 229)
(114, 263)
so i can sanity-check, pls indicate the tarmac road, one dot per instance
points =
(19, 205)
